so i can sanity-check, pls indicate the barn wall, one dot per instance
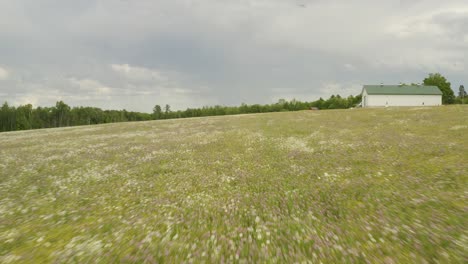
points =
(364, 98)
(403, 100)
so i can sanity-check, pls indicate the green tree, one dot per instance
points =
(461, 91)
(62, 112)
(26, 117)
(23, 117)
(157, 112)
(436, 79)
(5, 117)
(167, 111)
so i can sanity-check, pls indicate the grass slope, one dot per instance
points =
(361, 185)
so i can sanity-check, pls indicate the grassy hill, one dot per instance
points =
(360, 185)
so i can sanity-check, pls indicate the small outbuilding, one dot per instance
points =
(400, 95)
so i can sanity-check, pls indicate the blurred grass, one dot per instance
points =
(361, 185)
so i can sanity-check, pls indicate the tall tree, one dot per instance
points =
(157, 112)
(167, 111)
(436, 79)
(62, 111)
(5, 117)
(23, 117)
(462, 92)
(8, 118)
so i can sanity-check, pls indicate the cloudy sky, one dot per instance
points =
(118, 54)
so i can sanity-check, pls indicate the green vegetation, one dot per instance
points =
(351, 186)
(436, 79)
(26, 117)
(462, 97)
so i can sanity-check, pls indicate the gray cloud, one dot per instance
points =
(4, 74)
(135, 54)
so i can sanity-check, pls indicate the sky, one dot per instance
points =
(124, 54)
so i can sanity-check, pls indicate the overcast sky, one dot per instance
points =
(118, 54)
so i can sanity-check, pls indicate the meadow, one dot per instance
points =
(355, 186)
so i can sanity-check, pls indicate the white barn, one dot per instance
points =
(400, 95)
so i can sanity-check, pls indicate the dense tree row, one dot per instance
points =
(334, 102)
(26, 117)
(61, 115)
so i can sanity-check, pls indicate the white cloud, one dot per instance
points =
(4, 74)
(344, 90)
(349, 67)
(429, 24)
(183, 91)
(90, 86)
(27, 99)
(138, 73)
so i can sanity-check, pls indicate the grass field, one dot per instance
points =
(360, 185)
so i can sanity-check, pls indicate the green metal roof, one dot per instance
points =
(402, 89)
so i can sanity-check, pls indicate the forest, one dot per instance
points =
(25, 117)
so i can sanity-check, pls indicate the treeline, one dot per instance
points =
(334, 102)
(26, 117)
(61, 115)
